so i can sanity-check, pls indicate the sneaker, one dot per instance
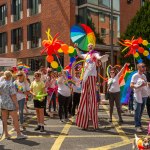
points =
(61, 121)
(8, 137)
(21, 136)
(110, 120)
(22, 128)
(120, 121)
(46, 115)
(138, 129)
(67, 120)
(37, 128)
(42, 129)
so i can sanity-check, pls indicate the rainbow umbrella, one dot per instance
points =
(83, 35)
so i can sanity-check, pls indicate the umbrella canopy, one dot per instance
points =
(83, 35)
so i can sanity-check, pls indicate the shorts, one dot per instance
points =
(38, 104)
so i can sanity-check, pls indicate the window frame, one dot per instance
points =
(3, 43)
(17, 38)
(34, 34)
(3, 12)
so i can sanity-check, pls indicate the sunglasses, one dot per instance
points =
(143, 66)
(112, 72)
(36, 76)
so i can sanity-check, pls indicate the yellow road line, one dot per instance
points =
(61, 137)
(114, 145)
(71, 136)
(9, 132)
(117, 127)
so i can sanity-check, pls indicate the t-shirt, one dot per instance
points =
(77, 86)
(140, 92)
(63, 89)
(90, 65)
(22, 87)
(114, 84)
(37, 87)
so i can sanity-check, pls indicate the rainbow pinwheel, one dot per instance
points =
(83, 35)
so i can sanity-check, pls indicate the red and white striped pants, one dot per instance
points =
(87, 109)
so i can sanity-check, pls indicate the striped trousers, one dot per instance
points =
(87, 109)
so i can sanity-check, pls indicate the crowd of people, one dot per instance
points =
(80, 99)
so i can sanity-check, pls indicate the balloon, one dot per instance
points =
(54, 64)
(65, 52)
(136, 55)
(57, 46)
(148, 56)
(140, 40)
(145, 42)
(71, 49)
(64, 47)
(145, 53)
(46, 43)
(72, 59)
(71, 55)
(141, 50)
(60, 50)
(49, 58)
(135, 46)
(148, 45)
(50, 50)
(59, 69)
(140, 60)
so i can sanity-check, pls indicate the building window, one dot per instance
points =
(81, 2)
(103, 32)
(102, 17)
(104, 3)
(17, 39)
(3, 15)
(95, 2)
(3, 42)
(17, 12)
(34, 35)
(34, 7)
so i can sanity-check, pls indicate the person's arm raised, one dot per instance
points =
(123, 68)
(78, 52)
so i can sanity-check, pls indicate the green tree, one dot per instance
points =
(138, 27)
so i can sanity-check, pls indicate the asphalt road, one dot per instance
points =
(66, 136)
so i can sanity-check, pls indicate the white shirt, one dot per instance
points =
(114, 84)
(23, 87)
(90, 66)
(63, 89)
(77, 86)
(140, 92)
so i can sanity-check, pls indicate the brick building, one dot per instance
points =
(128, 9)
(23, 24)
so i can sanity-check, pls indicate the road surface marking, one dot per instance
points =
(61, 137)
(117, 126)
(114, 145)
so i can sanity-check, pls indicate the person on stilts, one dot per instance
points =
(87, 109)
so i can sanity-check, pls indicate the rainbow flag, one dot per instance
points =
(125, 86)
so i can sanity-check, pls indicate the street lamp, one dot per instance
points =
(112, 36)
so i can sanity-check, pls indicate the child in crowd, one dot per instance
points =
(38, 86)
(64, 93)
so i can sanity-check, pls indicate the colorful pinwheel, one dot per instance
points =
(83, 35)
